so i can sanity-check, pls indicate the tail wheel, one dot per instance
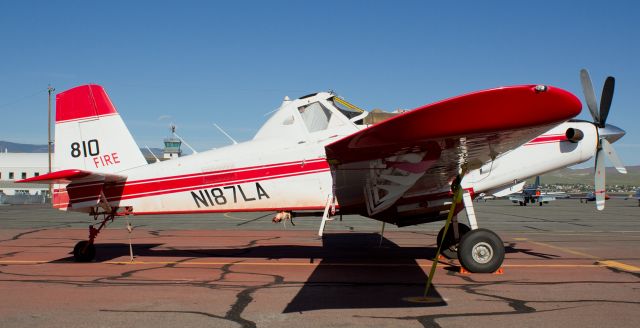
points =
(450, 246)
(481, 251)
(84, 251)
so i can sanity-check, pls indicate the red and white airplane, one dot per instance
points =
(318, 154)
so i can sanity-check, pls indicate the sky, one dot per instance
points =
(195, 63)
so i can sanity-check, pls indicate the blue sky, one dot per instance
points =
(194, 63)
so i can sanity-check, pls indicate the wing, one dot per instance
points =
(83, 188)
(400, 170)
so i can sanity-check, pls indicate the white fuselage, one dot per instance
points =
(285, 168)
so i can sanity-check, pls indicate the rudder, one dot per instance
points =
(90, 134)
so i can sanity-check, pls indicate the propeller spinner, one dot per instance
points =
(607, 134)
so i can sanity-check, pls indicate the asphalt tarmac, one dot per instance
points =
(567, 265)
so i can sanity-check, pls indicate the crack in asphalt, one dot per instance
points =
(245, 296)
(242, 299)
(20, 235)
(519, 306)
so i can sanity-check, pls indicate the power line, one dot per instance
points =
(24, 98)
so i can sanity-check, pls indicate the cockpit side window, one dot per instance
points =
(315, 116)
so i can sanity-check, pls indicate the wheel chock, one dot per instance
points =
(465, 271)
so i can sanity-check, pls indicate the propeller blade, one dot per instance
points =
(599, 180)
(589, 95)
(605, 101)
(613, 156)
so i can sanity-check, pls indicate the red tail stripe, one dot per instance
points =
(85, 101)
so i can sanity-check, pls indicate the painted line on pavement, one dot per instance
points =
(304, 264)
(599, 261)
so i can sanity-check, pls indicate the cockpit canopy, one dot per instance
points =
(313, 117)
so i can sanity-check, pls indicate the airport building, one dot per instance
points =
(17, 166)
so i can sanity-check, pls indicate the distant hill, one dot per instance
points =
(14, 147)
(585, 176)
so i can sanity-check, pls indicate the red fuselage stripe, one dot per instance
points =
(547, 139)
(188, 182)
(269, 209)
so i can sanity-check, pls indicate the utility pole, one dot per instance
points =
(50, 143)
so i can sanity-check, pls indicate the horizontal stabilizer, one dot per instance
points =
(73, 175)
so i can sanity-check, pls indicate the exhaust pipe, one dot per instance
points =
(574, 135)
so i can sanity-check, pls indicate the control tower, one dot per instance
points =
(172, 145)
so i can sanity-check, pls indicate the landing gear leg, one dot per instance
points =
(329, 212)
(479, 250)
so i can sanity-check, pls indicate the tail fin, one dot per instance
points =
(90, 135)
(537, 184)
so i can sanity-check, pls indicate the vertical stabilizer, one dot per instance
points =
(90, 135)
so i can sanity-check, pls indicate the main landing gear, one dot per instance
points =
(481, 250)
(450, 246)
(478, 250)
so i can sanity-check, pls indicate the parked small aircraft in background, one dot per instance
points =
(591, 197)
(637, 196)
(533, 195)
(322, 155)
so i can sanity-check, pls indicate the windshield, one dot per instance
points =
(349, 110)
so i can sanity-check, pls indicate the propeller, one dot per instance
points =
(607, 134)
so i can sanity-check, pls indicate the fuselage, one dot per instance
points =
(285, 168)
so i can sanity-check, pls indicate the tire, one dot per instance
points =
(450, 247)
(84, 251)
(481, 251)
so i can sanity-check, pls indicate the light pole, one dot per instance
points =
(50, 143)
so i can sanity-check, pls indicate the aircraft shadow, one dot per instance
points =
(389, 275)
(353, 271)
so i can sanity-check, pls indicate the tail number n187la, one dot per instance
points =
(224, 195)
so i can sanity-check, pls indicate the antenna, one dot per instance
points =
(285, 102)
(152, 154)
(226, 134)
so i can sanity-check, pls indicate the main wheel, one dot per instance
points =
(481, 250)
(450, 246)
(84, 251)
